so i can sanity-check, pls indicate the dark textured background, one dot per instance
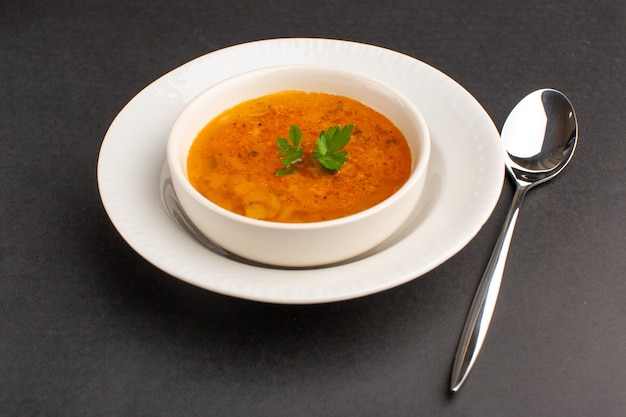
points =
(88, 328)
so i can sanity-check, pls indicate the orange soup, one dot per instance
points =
(233, 161)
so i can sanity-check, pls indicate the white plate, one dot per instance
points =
(463, 186)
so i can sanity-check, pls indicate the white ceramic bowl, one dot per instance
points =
(298, 244)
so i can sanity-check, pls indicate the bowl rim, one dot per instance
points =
(419, 170)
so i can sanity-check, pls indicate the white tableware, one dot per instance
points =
(462, 186)
(298, 244)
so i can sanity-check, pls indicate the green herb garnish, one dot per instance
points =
(292, 151)
(328, 149)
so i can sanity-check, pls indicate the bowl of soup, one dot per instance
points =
(298, 165)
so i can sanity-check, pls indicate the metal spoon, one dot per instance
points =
(539, 137)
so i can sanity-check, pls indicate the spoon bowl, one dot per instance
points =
(539, 138)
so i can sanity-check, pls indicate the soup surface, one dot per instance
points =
(233, 161)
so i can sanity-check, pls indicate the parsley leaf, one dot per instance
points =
(292, 151)
(327, 151)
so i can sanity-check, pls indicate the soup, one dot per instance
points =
(234, 159)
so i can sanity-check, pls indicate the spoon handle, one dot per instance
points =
(484, 303)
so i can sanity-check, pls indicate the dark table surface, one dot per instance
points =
(89, 328)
